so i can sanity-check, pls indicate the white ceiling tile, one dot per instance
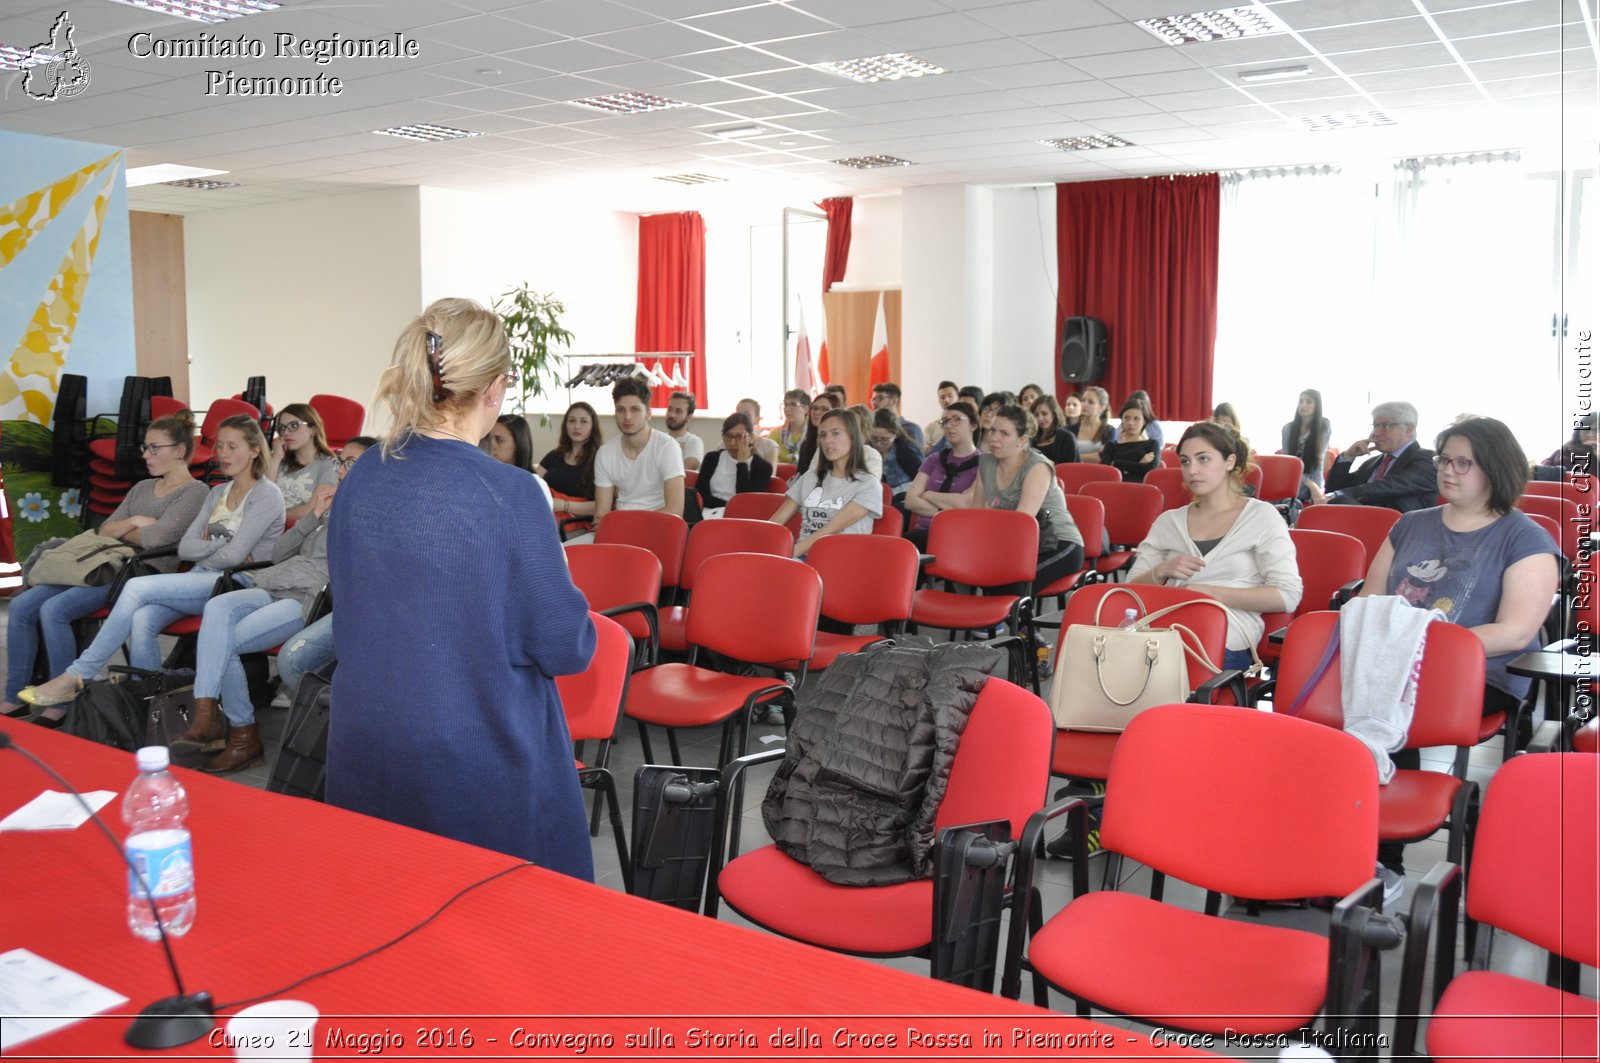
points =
(1331, 105)
(1501, 45)
(1512, 88)
(486, 34)
(1405, 57)
(1105, 109)
(568, 56)
(1318, 14)
(1398, 102)
(857, 13)
(1303, 89)
(1248, 51)
(1120, 127)
(755, 24)
(1096, 40)
(657, 40)
(1499, 18)
(982, 55)
(1370, 35)
(1044, 16)
(731, 62)
(913, 35)
(795, 79)
(828, 47)
(763, 107)
(579, 18)
(1066, 95)
(1171, 82)
(1132, 64)
(1404, 80)
(1221, 96)
(1028, 75)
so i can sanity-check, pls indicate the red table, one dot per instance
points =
(288, 887)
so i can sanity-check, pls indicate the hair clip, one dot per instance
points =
(436, 365)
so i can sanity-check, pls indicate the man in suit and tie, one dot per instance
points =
(1401, 478)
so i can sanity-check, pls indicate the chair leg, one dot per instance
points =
(672, 746)
(644, 743)
(608, 787)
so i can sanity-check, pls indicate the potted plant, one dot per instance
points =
(533, 325)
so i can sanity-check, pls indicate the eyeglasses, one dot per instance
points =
(151, 448)
(794, 405)
(880, 441)
(345, 463)
(946, 422)
(1459, 466)
(735, 437)
(1386, 426)
(290, 426)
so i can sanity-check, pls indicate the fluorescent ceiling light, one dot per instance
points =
(204, 10)
(1228, 23)
(1097, 140)
(14, 58)
(1322, 123)
(871, 162)
(200, 184)
(691, 178)
(163, 172)
(891, 67)
(426, 131)
(629, 102)
(1274, 73)
(735, 132)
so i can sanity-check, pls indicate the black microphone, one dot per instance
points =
(170, 1021)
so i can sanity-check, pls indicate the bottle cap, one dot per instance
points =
(154, 758)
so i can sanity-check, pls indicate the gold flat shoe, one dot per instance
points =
(31, 696)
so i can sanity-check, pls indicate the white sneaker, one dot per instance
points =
(1394, 885)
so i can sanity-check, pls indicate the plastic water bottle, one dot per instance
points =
(154, 809)
(1130, 620)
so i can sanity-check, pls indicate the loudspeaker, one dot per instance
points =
(1083, 350)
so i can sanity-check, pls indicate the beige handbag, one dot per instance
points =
(1107, 676)
(85, 560)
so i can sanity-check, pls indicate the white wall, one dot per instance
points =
(1022, 297)
(310, 293)
(875, 259)
(945, 264)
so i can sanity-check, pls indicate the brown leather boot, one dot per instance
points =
(205, 727)
(243, 750)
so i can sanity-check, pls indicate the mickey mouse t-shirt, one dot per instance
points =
(1459, 573)
(820, 500)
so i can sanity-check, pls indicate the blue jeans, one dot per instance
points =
(1237, 660)
(247, 621)
(147, 605)
(306, 652)
(52, 609)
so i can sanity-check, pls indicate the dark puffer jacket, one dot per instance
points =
(868, 761)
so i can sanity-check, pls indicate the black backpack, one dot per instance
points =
(116, 712)
(302, 765)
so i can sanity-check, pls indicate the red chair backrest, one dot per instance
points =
(1072, 475)
(1002, 766)
(162, 406)
(592, 699)
(1534, 861)
(1580, 487)
(1253, 478)
(1327, 560)
(1089, 605)
(1089, 514)
(690, 478)
(341, 417)
(785, 470)
(892, 523)
(760, 505)
(1564, 511)
(1370, 524)
(1549, 526)
(777, 485)
(612, 574)
(1449, 688)
(984, 547)
(736, 589)
(866, 579)
(1280, 477)
(663, 534)
(1130, 509)
(1169, 455)
(730, 535)
(1169, 481)
(220, 410)
(1299, 832)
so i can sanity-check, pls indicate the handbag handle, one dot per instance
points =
(1191, 642)
(1149, 670)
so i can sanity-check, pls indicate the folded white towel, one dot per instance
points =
(1381, 644)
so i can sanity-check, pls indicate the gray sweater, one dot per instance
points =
(259, 528)
(173, 513)
(299, 562)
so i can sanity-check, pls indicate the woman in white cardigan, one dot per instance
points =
(1235, 548)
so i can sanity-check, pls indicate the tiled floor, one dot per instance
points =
(700, 748)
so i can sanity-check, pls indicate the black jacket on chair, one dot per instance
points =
(754, 478)
(1411, 482)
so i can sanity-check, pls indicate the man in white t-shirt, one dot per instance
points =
(638, 468)
(680, 407)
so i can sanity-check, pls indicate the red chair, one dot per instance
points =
(1086, 755)
(592, 702)
(621, 582)
(1169, 455)
(1332, 568)
(1253, 477)
(866, 579)
(1564, 511)
(991, 551)
(891, 524)
(734, 619)
(1275, 831)
(690, 478)
(663, 534)
(707, 539)
(1089, 514)
(777, 485)
(1074, 474)
(1579, 487)
(785, 471)
(219, 410)
(761, 505)
(1280, 477)
(1534, 876)
(342, 418)
(998, 774)
(1131, 509)
(1170, 482)
(1449, 711)
(1370, 524)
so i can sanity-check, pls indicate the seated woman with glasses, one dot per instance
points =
(733, 470)
(302, 458)
(152, 515)
(792, 432)
(942, 481)
(902, 458)
(839, 498)
(1478, 559)
(239, 521)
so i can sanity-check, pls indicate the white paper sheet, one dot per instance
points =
(54, 810)
(38, 997)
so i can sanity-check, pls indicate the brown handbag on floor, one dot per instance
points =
(1106, 676)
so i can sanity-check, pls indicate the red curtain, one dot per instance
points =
(1141, 255)
(838, 254)
(670, 314)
